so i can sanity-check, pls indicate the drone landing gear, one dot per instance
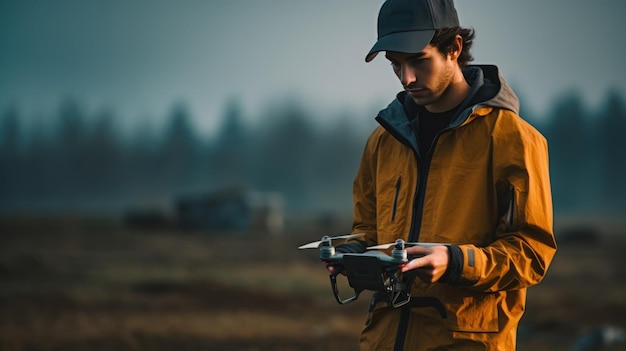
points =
(367, 273)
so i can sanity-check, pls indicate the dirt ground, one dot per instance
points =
(71, 284)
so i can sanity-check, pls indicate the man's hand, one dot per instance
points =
(330, 268)
(431, 265)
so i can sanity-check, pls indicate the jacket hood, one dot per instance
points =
(488, 89)
(493, 90)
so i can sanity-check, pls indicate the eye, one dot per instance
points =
(417, 61)
(395, 65)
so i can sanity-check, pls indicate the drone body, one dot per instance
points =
(371, 270)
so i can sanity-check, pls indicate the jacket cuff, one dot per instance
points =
(455, 265)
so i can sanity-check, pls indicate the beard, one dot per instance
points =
(437, 90)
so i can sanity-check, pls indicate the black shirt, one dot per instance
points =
(429, 124)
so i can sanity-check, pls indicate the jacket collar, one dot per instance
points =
(488, 89)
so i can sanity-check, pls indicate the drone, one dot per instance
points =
(371, 270)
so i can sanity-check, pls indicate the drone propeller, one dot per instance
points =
(316, 244)
(409, 244)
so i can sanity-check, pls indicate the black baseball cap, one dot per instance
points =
(409, 25)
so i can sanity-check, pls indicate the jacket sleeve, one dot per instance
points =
(364, 192)
(523, 245)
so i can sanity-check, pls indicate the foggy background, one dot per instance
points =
(106, 105)
(161, 161)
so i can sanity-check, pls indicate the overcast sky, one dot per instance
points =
(139, 57)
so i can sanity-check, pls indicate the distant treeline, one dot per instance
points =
(84, 162)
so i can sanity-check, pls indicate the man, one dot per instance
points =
(452, 163)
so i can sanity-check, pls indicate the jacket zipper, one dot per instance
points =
(420, 193)
(414, 231)
(395, 199)
(418, 200)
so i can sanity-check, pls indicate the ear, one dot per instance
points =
(457, 48)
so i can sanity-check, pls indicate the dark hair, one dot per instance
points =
(444, 41)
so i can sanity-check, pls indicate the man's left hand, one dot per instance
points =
(432, 263)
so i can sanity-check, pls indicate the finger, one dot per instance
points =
(413, 264)
(418, 250)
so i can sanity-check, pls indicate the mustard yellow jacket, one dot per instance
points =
(483, 187)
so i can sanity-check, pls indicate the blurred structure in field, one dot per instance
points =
(231, 209)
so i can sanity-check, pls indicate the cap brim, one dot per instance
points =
(407, 42)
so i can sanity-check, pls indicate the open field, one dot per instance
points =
(71, 284)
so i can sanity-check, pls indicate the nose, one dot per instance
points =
(406, 75)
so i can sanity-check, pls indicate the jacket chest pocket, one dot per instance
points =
(392, 209)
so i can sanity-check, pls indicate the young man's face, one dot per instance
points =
(425, 75)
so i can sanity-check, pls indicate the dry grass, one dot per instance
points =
(73, 285)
